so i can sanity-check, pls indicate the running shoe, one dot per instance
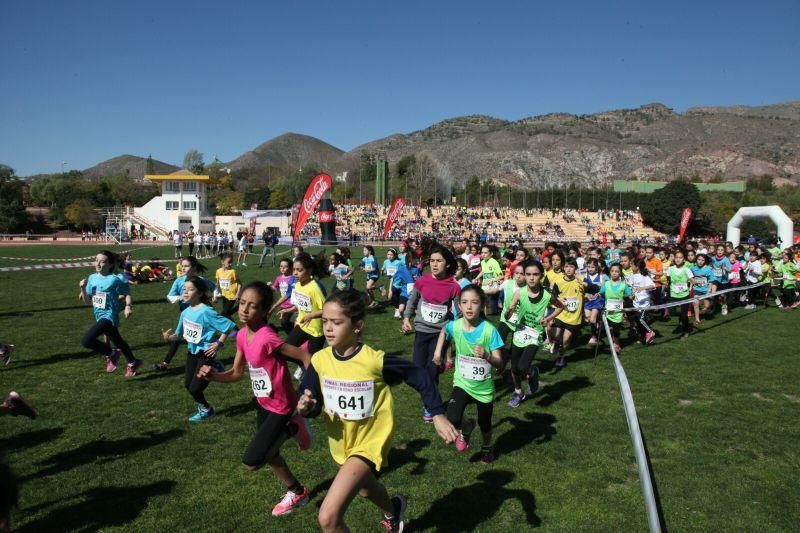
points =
(290, 502)
(487, 456)
(397, 313)
(461, 442)
(554, 348)
(649, 336)
(561, 363)
(795, 305)
(303, 434)
(449, 364)
(203, 413)
(516, 399)
(161, 367)
(743, 297)
(724, 310)
(374, 304)
(131, 368)
(426, 416)
(397, 523)
(111, 360)
(533, 381)
(5, 351)
(593, 340)
(778, 302)
(617, 347)
(750, 306)
(17, 405)
(546, 346)
(684, 336)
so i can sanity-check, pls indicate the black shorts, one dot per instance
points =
(521, 358)
(572, 328)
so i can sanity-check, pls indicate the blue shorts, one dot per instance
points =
(597, 303)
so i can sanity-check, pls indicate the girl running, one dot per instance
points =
(509, 316)
(103, 289)
(593, 306)
(788, 269)
(284, 284)
(570, 291)
(370, 267)
(188, 266)
(307, 300)
(401, 284)
(701, 274)
(229, 287)
(680, 277)
(240, 260)
(198, 325)
(530, 304)
(351, 381)
(490, 277)
(264, 353)
(477, 347)
(642, 289)
(720, 266)
(614, 291)
(340, 272)
(434, 294)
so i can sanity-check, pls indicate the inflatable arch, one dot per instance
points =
(773, 212)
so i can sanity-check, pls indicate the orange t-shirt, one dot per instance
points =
(656, 269)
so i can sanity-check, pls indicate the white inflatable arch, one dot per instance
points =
(773, 212)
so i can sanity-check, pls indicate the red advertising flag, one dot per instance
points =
(394, 212)
(685, 218)
(318, 186)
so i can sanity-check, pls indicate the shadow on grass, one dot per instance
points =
(239, 409)
(159, 374)
(31, 312)
(537, 429)
(30, 439)
(405, 453)
(101, 450)
(97, 508)
(57, 358)
(465, 508)
(553, 393)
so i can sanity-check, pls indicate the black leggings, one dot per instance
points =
(297, 337)
(173, 349)
(272, 430)
(228, 307)
(639, 321)
(193, 384)
(787, 296)
(458, 404)
(104, 326)
(522, 358)
(683, 314)
(424, 346)
(286, 323)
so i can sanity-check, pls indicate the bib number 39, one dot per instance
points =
(474, 368)
(349, 400)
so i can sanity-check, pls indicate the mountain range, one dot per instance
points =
(648, 143)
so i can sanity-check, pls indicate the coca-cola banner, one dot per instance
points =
(685, 218)
(394, 212)
(318, 186)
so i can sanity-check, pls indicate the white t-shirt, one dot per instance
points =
(754, 270)
(641, 299)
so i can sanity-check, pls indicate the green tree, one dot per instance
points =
(663, 211)
(81, 213)
(405, 165)
(12, 210)
(258, 196)
(279, 198)
(230, 203)
(193, 160)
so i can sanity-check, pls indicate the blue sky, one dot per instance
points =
(84, 81)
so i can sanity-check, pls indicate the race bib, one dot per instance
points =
(432, 313)
(474, 262)
(409, 288)
(526, 336)
(391, 271)
(369, 267)
(629, 280)
(492, 283)
(341, 284)
(718, 272)
(474, 368)
(733, 276)
(301, 301)
(283, 287)
(700, 281)
(259, 379)
(192, 331)
(224, 284)
(571, 303)
(613, 306)
(680, 287)
(99, 300)
(514, 317)
(349, 400)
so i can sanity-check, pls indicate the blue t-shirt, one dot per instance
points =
(104, 292)
(702, 278)
(199, 327)
(401, 280)
(390, 267)
(370, 266)
(339, 271)
(612, 256)
(474, 336)
(720, 269)
(177, 289)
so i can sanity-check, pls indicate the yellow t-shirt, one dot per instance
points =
(357, 404)
(571, 295)
(551, 277)
(228, 283)
(308, 298)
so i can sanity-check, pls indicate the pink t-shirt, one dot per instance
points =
(735, 275)
(284, 285)
(269, 374)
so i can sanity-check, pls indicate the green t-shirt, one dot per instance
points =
(492, 273)
(509, 288)
(614, 293)
(788, 270)
(679, 281)
(530, 330)
(473, 374)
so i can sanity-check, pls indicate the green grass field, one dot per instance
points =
(719, 412)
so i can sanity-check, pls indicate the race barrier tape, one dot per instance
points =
(642, 462)
(698, 298)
